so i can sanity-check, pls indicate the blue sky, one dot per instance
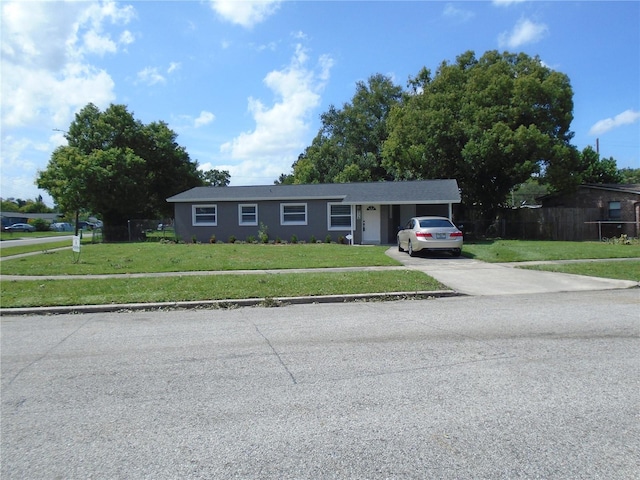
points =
(243, 83)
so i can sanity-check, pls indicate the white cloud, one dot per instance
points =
(32, 96)
(456, 13)
(205, 118)
(523, 33)
(35, 34)
(271, 46)
(245, 13)
(506, 3)
(18, 168)
(90, 26)
(150, 76)
(281, 129)
(126, 38)
(625, 118)
(47, 74)
(98, 44)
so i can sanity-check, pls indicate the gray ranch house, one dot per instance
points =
(368, 213)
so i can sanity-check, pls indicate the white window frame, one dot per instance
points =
(195, 215)
(283, 220)
(241, 221)
(330, 216)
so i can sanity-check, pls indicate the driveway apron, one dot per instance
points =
(473, 277)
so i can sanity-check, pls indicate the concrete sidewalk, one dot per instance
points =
(473, 277)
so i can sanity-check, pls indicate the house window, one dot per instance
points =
(615, 213)
(293, 213)
(248, 214)
(204, 215)
(339, 216)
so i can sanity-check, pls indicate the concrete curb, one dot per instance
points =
(229, 304)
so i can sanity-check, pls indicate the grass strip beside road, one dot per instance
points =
(36, 293)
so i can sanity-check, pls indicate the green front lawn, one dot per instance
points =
(527, 250)
(621, 270)
(109, 258)
(125, 258)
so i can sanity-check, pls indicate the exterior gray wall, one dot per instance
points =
(391, 217)
(268, 214)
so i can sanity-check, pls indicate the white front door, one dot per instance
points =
(371, 224)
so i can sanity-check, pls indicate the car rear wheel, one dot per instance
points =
(411, 252)
(456, 252)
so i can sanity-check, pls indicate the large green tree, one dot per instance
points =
(593, 169)
(348, 147)
(216, 178)
(491, 123)
(629, 175)
(118, 168)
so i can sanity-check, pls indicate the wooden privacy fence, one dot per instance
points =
(569, 224)
(552, 223)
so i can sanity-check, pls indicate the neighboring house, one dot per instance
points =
(614, 209)
(370, 212)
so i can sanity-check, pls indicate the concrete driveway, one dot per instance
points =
(473, 277)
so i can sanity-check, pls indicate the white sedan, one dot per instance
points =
(431, 234)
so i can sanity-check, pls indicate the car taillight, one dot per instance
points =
(423, 235)
(456, 234)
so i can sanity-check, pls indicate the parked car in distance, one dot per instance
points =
(21, 227)
(61, 227)
(89, 225)
(430, 234)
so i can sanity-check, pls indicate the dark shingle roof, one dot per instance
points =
(419, 191)
(616, 187)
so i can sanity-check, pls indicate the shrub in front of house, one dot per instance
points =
(40, 224)
(263, 233)
(294, 238)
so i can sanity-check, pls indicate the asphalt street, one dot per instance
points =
(496, 386)
(25, 239)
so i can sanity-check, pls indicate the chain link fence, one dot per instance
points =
(154, 230)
